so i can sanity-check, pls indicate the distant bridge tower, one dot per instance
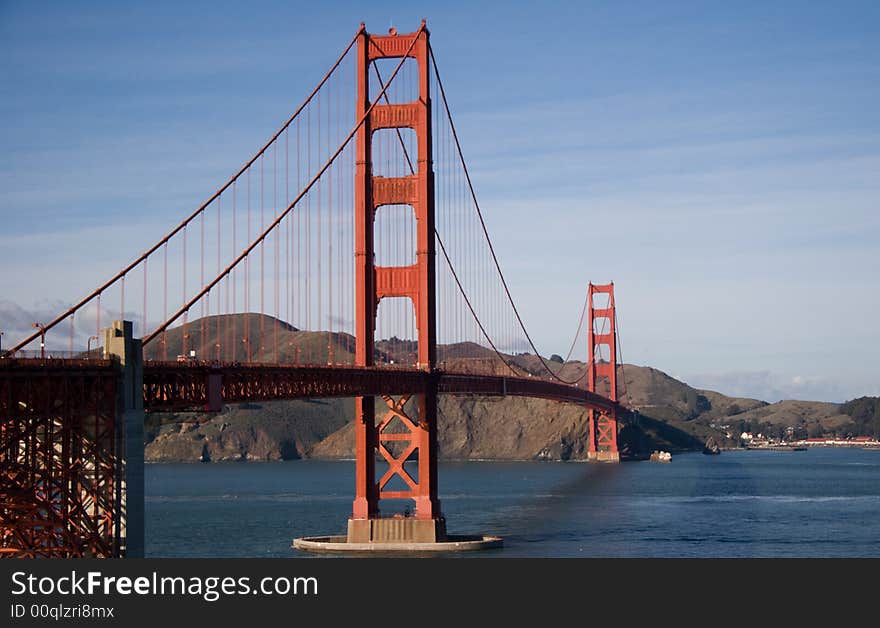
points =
(602, 340)
(398, 437)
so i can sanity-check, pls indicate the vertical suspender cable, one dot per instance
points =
(319, 243)
(288, 302)
(185, 314)
(299, 248)
(247, 279)
(230, 309)
(261, 343)
(165, 302)
(218, 340)
(144, 321)
(276, 250)
(330, 234)
(201, 345)
(308, 252)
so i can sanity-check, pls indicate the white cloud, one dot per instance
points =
(772, 386)
(17, 323)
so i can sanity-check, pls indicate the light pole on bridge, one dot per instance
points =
(42, 339)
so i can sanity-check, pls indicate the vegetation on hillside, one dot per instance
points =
(865, 413)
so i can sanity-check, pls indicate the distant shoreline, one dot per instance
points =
(874, 446)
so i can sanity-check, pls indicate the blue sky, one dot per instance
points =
(719, 161)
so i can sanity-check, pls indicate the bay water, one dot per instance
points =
(815, 503)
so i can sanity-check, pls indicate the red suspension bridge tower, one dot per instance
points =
(602, 341)
(399, 437)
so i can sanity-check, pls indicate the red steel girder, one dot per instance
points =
(183, 386)
(59, 469)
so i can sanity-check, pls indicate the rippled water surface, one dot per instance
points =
(822, 502)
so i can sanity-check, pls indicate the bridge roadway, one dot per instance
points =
(177, 386)
(170, 386)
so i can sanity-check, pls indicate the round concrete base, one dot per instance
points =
(340, 544)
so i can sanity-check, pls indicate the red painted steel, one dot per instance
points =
(197, 386)
(60, 472)
(602, 423)
(60, 480)
(416, 282)
(366, 491)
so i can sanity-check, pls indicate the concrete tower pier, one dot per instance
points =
(119, 343)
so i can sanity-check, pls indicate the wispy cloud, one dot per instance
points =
(17, 323)
(772, 387)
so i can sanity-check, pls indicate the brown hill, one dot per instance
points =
(491, 428)
(278, 430)
(260, 334)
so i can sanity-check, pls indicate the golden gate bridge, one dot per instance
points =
(348, 257)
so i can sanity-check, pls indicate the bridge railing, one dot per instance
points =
(56, 358)
(51, 354)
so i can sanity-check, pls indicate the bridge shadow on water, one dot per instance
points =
(575, 511)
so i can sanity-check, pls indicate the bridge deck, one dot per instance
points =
(171, 385)
(190, 386)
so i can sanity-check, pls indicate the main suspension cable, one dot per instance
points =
(290, 207)
(461, 289)
(97, 292)
(485, 231)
